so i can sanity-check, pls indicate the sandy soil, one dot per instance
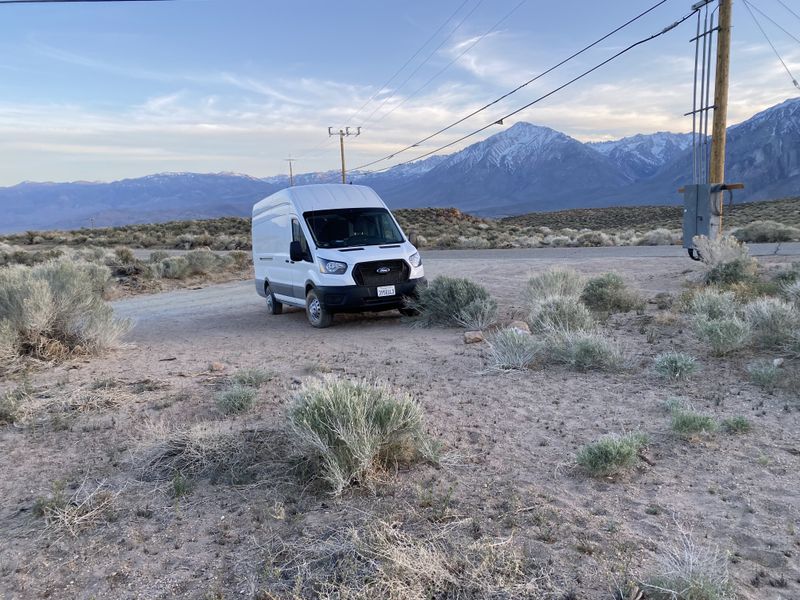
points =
(508, 472)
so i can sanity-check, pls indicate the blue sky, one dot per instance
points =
(107, 91)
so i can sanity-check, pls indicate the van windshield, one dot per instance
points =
(343, 227)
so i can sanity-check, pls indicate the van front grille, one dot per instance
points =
(381, 272)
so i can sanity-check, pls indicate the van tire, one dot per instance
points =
(273, 305)
(316, 312)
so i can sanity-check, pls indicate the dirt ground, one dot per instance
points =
(507, 475)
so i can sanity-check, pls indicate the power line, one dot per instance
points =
(413, 56)
(789, 9)
(774, 49)
(773, 21)
(518, 88)
(450, 64)
(422, 64)
(547, 95)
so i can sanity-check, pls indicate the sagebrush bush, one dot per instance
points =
(791, 291)
(608, 293)
(583, 350)
(560, 312)
(766, 232)
(725, 335)
(555, 282)
(686, 422)
(55, 308)
(611, 454)
(201, 262)
(713, 304)
(657, 237)
(512, 349)
(726, 260)
(175, 267)
(765, 374)
(771, 320)
(351, 430)
(675, 365)
(236, 398)
(158, 256)
(445, 299)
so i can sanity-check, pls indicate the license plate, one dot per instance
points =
(385, 290)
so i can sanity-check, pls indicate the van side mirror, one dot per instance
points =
(296, 253)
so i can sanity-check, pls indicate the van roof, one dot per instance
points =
(322, 196)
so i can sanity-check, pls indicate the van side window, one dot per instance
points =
(297, 236)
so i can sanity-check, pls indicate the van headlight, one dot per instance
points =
(415, 260)
(332, 267)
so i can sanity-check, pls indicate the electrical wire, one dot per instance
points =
(450, 64)
(789, 9)
(773, 21)
(540, 98)
(423, 63)
(518, 88)
(774, 49)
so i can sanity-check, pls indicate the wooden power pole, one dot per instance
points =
(718, 128)
(291, 174)
(343, 133)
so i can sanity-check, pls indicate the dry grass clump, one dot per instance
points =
(611, 454)
(584, 350)
(772, 321)
(512, 349)
(726, 260)
(765, 373)
(766, 232)
(56, 308)
(478, 314)
(710, 303)
(254, 377)
(236, 398)
(736, 425)
(555, 282)
(725, 335)
(386, 560)
(675, 365)
(89, 506)
(687, 423)
(450, 302)
(351, 431)
(608, 293)
(560, 312)
(691, 572)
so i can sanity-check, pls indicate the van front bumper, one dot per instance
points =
(363, 298)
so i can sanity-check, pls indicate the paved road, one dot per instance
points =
(236, 306)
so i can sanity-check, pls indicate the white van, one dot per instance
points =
(331, 248)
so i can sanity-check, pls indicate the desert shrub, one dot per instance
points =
(791, 291)
(158, 256)
(512, 349)
(241, 260)
(594, 239)
(9, 343)
(351, 430)
(200, 262)
(253, 377)
(555, 282)
(611, 454)
(560, 312)
(690, 572)
(725, 335)
(124, 255)
(766, 231)
(175, 267)
(675, 365)
(788, 274)
(473, 242)
(764, 373)
(771, 321)
(583, 350)
(657, 237)
(478, 314)
(608, 293)
(445, 299)
(713, 304)
(726, 260)
(236, 398)
(686, 422)
(56, 308)
(736, 425)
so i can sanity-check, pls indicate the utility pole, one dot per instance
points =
(291, 175)
(343, 133)
(718, 133)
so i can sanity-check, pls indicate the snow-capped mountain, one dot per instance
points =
(522, 168)
(641, 156)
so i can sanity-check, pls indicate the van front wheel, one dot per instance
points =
(316, 312)
(273, 305)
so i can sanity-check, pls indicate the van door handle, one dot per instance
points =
(289, 261)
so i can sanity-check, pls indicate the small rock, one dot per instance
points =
(216, 367)
(777, 362)
(520, 326)
(473, 337)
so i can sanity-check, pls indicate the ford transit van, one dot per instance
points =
(331, 248)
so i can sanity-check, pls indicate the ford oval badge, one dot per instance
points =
(383, 270)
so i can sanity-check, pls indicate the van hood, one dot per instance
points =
(358, 254)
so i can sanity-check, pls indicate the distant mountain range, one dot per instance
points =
(524, 168)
